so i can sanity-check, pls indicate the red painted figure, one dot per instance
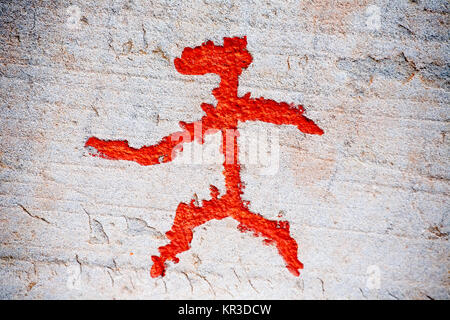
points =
(227, 61)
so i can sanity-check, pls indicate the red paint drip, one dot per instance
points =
(227, 61)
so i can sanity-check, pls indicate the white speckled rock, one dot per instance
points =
(367, 202)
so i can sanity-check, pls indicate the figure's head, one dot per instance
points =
(232, 57)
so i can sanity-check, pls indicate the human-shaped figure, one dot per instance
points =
(227, 61)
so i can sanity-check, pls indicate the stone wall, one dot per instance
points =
(367, 202)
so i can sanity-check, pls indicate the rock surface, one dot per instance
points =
(367, 202)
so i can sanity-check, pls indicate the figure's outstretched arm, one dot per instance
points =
(164, 151)
(266, 110)
(120, 150)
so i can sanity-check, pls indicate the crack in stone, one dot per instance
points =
(31, 215)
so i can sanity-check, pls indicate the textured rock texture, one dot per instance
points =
(367, 202)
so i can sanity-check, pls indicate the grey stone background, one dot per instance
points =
(367, 201)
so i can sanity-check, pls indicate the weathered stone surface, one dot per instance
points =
(369, 197)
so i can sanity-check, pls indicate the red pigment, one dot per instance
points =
(227, 61)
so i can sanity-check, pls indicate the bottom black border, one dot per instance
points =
(220, 309)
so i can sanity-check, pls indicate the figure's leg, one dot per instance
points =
(187, 217)
(276, 232)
